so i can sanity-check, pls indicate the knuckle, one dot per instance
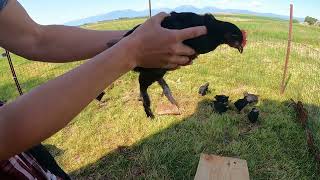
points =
(162, 14)
(173, 50)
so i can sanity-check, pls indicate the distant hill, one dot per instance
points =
(128, 13)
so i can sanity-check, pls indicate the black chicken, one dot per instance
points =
(222, 98)
(221, 105)
(240, 104)
(203, 90)
(219, 32)
(253, 115)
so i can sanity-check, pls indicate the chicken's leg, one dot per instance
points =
(145, 82)
(167, 92)
(146, 102)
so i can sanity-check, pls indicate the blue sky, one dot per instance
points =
(61, 11)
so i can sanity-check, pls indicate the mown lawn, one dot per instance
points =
(117, 141)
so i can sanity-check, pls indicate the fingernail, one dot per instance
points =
(204, 30)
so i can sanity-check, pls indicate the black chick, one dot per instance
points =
(203, 90)
(220, 107)
(99, 98)
(253, 115)
(240, 104)
(251, 98)
(219, 32)
(2, 103)
(222, 98)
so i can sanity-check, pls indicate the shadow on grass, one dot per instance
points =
(275, 148)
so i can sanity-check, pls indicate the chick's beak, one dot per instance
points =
(240, 48)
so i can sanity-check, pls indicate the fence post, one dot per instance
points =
(150, 7)
(14, 76)
(283, 83)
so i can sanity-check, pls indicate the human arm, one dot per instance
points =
(43, 111)
(51, 43)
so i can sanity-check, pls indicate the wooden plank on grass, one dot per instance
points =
(213, 167)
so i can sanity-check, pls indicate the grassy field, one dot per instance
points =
(117, 141)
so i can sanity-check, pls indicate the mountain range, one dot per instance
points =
(128, 13)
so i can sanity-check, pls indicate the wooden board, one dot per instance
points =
(167, 109)
(213, 167)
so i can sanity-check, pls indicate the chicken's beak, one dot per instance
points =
(240, 48)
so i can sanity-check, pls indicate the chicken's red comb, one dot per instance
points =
(244, 35)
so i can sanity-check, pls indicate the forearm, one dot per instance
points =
(59, 43)
(22, 36)
(37, 115)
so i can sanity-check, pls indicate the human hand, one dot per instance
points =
(156, 47)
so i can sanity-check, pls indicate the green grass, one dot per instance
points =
(118, 142)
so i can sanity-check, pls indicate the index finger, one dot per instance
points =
(190, 33)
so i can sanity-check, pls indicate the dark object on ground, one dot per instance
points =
(203, 90)
(240, 104)
(222, 98)
(251, 98)
(99, 98)
(46, 160)
(253, 115)
(220, 107)
(219, 32)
